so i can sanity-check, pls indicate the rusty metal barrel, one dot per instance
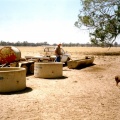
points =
(9, 54)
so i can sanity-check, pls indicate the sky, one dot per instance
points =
(50, 21)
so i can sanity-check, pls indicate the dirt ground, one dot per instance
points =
(82, 94)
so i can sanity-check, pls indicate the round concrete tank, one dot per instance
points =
(12, 79)
(48, 69)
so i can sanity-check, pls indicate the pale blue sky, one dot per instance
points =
(49, 21)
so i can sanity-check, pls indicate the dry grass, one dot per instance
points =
(75, 52)
(94, 50)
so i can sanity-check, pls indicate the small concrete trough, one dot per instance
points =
(48, 69)
(12, 79)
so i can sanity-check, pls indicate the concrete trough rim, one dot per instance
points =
(50, 63)
(11, 69)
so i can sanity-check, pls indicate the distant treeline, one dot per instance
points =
(25, 43)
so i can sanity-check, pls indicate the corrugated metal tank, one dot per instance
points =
(9, 54)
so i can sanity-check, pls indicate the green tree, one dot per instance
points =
(101, 18)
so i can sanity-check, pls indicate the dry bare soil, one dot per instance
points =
(82, 94)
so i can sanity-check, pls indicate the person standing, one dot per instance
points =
(58, 53)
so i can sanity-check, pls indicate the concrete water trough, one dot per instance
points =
(12, 79)
(48, 69)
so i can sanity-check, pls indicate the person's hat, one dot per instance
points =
(59, 44)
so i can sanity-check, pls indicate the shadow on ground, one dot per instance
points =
(59, 78)
(26, 90)
(85, 66)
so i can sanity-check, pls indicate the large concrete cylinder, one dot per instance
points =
(9, 54)
(12, 79)
(48, 69)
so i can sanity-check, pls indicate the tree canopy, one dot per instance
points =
(101, 18)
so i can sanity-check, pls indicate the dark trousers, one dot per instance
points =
(57, 59)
